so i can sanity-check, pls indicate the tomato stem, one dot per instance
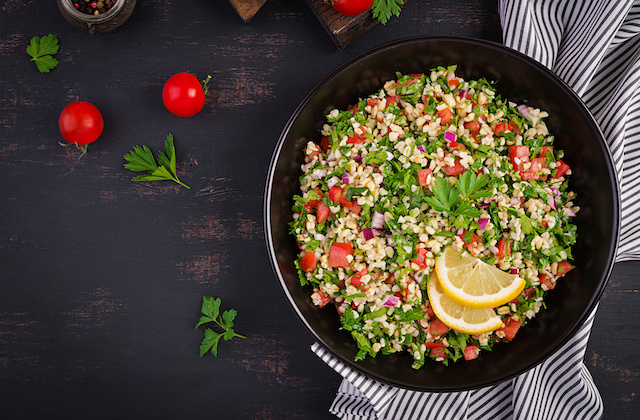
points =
(205, 85)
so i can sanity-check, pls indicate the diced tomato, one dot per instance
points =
(372, 102)
(421, 260)
(311, 205)
(561, 168)
(437, 328)
(445, 115)
(526, 294)
(345, 203)
(430, 313)
(423, 174)
(322, 213)
(457, 146)
(335, 193)
(500, 128)
(453, 82)
(338, 254)
(520, 152)
(454, 170)
(547, 281)
(534, 171)
(320, 298)
(563, 268)
(475, 241)
(514, 127)
(356, 139)
(473, 127)
(356, 281)
(433, 345)
(412, 80)
(353, 108)
(438, 352)
(503, 248)
(471, 352)
(308, 262)
(391, 100)
(544, 150)
(503, 127)
(510, 327)
(325, 143)
(355, 207)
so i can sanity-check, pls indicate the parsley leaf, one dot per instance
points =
(141, 160)
(470, 185)
(383, 9)
(41, 50)
(211, 311)
(444, 196)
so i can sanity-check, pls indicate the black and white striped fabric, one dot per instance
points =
(594, 46)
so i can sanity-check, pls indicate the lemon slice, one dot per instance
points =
(474, 283)
(458, 317)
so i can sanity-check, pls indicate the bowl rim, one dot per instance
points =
(611, 253)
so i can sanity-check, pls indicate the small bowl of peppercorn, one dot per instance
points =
(96, 16)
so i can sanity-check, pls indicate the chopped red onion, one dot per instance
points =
(418, 276)
(345, 178)
(368, 233)
(357, 158)
(391, 301)
(449, 136)
(377, 220)
(555, 191)
(524, 110)
(450, 75)
(462, 93)
(390, 241)
(333, 181)
(319, 236)
(568, 211)
(552, 202)
(493, 249)
(513, 270)
(459, 231)
(482, 222)
(331, 157)
(515, 201)
(421, 148)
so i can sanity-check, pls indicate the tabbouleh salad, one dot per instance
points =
(430, 161)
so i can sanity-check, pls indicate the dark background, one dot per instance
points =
(101, 278)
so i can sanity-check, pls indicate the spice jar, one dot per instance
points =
(96, 16)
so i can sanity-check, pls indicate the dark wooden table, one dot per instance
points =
(101, 278)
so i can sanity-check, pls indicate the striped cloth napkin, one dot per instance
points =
(594, 46)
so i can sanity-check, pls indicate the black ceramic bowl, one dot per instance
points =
(519, 78)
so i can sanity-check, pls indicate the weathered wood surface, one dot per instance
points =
(102, 278)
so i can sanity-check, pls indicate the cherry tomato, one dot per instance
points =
(351, 7)
(183, 94)
(80, 123)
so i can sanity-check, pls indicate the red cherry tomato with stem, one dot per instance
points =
(80, 123)
(183, 94)
(351, 7)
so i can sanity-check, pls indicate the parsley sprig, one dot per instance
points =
(141, 160)
(211, 311)
(383, 9)
(41, 50)
(456, 199)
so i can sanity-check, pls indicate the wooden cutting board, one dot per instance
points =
(342, 29)
(247, 9)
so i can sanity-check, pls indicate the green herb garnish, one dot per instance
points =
(41, 50)
(211, 311)
(383, 9)
(141, 159)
